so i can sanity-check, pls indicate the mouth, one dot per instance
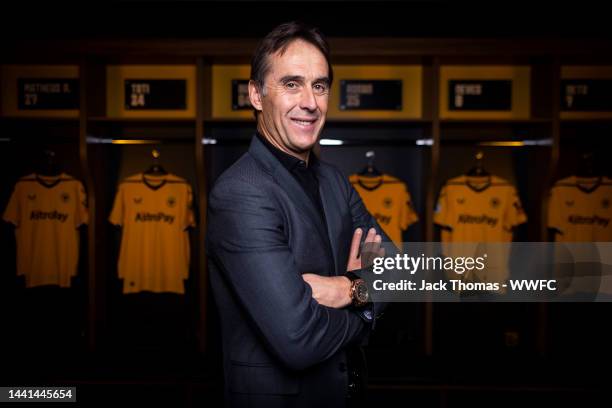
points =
(304, 123)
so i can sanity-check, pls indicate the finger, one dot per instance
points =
(381, 253)
(378, 240)
(354, 252)
(374, 245)
(371, 235)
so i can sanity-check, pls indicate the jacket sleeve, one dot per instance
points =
(364, 220)
(247, 241)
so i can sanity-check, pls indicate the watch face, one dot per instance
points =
(362, 292)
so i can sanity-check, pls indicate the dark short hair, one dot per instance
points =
(278, 40)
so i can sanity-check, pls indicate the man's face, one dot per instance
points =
(293, 101)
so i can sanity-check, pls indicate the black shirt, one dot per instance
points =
(303, 172)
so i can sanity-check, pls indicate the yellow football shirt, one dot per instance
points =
(580, 209)
(46, 211)
(388, 200)
(474, 211)
(478, 209)
(154, 213)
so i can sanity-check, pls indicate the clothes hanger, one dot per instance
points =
(587, 170)
(370, 170)
(478, 169)
(156, 168)
(49, 166)
(586, 165)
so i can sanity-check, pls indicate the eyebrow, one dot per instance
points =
(289, 78)
(299, 78)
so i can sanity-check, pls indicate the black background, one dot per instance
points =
(199, 19)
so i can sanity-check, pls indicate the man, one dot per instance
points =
(284, 228)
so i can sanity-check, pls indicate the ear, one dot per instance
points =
(255, 95)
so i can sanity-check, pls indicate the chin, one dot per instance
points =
(304, 143)
(305, 146)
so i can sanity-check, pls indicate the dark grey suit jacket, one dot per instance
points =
(281, 347)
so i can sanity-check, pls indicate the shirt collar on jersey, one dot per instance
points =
(588, 187)
(481, 188)
(370, 183)
(54, 180)
(153, 186)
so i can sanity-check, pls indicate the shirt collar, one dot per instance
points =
(288, 161)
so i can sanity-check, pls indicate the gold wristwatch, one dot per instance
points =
(359, 290)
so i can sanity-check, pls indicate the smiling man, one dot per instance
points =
(293, 101)
(284, 234)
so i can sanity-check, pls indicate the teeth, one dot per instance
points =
(303, 122)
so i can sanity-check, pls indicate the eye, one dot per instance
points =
(320, 88)
(291, 85)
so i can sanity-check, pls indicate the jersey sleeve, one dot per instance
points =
(82, 215)
(118, 211)
(443, 214)
(514, 214)
(555, 219)
(408, 215)
(189, 218)
(12, 212)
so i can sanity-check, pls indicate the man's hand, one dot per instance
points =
(330, 291)
(335, 291)
(371, 250)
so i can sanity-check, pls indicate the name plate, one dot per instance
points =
(479, 95)
(363, 94)
(155, 94)
(47, 93)
(586, 95)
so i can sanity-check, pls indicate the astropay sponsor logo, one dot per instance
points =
(477, 219)
(48, 215)
(594, 220)
(154, 217)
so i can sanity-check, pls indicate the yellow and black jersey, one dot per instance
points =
(154, 213)
(388, 200)
(46, 211)
(580, 209)
(478, 209)
(474, 211)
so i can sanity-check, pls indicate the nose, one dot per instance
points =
(308, 100)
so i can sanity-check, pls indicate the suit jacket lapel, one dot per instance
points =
(331, 206)
(288, 183)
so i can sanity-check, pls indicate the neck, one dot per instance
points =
(300, 155)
